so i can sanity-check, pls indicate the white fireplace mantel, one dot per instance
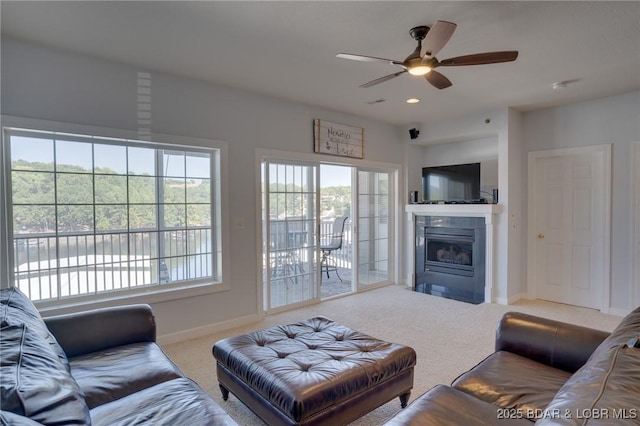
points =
(468, 210)
(488, 211)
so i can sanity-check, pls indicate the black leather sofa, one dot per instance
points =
(543, 371)
(99, 367)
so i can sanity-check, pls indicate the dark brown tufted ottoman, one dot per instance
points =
(313, 372)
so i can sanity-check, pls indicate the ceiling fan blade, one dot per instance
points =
(480, 58)
(437, 80)
(437, 37)
(382, 79)
(364, 58)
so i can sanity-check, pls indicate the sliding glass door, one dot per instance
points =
(301, 203)
(374, 229)
(336, 236)
(290, 223)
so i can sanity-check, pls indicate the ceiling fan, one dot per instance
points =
(423, 60)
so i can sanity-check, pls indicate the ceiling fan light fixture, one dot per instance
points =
(416, 66)
(419, 70)
(413, 100)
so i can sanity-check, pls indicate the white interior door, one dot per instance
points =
(569, 207)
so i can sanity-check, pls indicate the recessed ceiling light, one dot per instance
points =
(413, 100)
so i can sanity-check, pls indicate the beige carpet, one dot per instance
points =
(449, 337)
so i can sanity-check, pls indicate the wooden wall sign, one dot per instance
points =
(338, 139)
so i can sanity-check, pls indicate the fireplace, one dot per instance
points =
(450, 257)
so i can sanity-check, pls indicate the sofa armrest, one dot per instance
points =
(558, 344)
(89, 331)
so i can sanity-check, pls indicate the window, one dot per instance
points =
(92, 216)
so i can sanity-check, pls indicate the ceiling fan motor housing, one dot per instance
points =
(414, 59)
(419, 32)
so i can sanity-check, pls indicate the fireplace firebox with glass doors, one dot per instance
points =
(450, 257)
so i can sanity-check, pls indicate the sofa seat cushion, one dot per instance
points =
(175, 402)
(34, 381)
(445, 406)
(113, 373)
(512, 381)
(16, 309)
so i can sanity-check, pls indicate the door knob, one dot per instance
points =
(541, 236)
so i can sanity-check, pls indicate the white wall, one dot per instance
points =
(47, 84)
(468, 139)
(516, 218)
(413, 164)
(635, 225)
(614, 120)
(483, 151)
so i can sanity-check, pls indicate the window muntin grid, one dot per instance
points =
(93, 215)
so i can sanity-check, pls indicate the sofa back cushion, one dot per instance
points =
(606, 390)
(16, 309)
(34, 382)
(628, 329)
(554, 343)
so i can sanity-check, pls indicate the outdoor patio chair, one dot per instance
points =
(327, 264)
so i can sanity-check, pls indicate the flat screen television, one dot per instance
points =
(459, 182)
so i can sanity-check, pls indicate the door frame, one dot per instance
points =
(262, 154)
(603, 154)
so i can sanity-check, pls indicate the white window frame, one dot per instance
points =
(144, 294)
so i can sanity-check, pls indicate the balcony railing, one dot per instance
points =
(55, 267)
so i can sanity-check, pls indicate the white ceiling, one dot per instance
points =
(288, 49)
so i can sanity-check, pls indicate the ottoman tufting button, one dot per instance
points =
(312, 347)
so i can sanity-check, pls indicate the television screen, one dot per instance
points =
(460, 182)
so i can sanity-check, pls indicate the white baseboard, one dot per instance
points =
(619, 312)
(510, 300)
(193, 333)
